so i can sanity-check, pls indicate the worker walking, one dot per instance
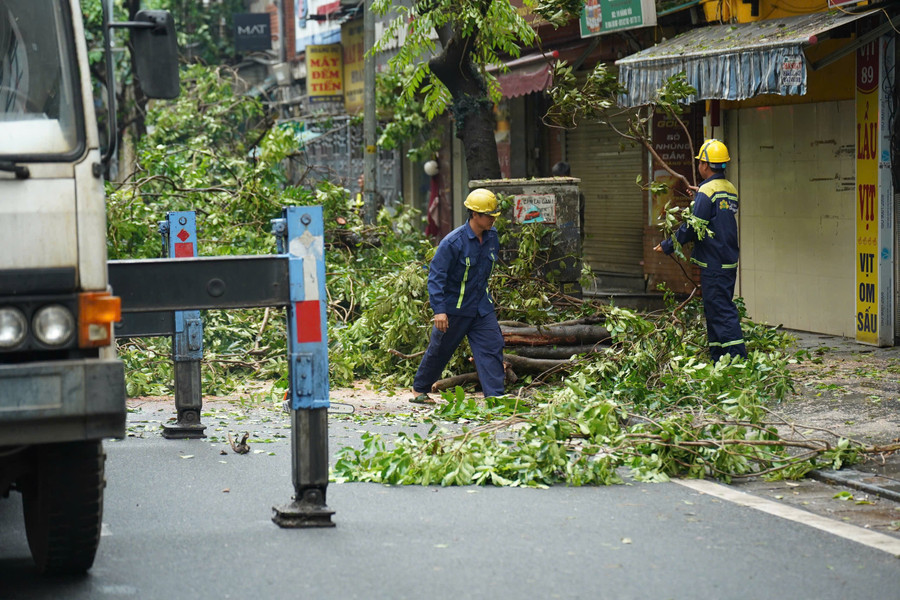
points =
(462, 305)
(716, 204)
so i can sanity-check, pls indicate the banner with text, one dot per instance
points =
(673, 145)
(874, 195)
(324, 73)
(354, 66)
(606, 16)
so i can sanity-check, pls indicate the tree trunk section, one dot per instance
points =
(472, 110)
(566, 335)
(452, 382)
(554, 352)
(522, 364)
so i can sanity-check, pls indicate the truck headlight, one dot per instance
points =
(13, 327)
(53, 325)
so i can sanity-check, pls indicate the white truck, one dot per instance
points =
(62, 389)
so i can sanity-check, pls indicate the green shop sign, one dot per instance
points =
(605, 16)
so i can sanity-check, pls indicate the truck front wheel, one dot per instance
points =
(63, 505)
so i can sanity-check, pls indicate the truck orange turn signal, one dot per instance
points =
(96, 313)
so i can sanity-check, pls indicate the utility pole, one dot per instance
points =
(369, 119)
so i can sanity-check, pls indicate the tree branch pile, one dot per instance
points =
(541, 350)
(650, 403)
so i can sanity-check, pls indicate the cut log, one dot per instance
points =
(452, 382)
(513, 324)
(554, 352)
(565, 335)
(591, 320)
(533, 365)
(466, 378)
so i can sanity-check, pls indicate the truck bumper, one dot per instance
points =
(60, 401)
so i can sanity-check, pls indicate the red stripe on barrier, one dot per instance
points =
(309, 321)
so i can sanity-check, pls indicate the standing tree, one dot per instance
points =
(473, 35)
(204, 35)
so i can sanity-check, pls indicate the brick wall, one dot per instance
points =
(289, 36)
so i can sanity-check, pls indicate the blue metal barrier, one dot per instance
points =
(303, 236)
(179, 232)
(295, 278)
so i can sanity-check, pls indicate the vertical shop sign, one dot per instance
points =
(874, 194)
(354, 66)
(324, 73)
(672, 144)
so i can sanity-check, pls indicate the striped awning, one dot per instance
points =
(732, 62)
(525, 80)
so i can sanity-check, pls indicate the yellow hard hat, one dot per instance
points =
(482, 201)
(713, 152)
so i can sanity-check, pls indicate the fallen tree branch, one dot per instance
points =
(451, 382)
(513, 324)
(406, 356)
(555, 352)
(534, 365)
(555, 335)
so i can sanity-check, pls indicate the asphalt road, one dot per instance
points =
(184, 521)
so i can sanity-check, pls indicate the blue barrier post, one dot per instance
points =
(179, 232)
(301, 234)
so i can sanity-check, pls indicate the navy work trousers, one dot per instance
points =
(723, 322)
(486, 342)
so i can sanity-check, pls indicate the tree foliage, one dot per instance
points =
(405, 122)
(204, 35)
(212, 152)
(216, 153)
(494, 30)
(650, 404)
(205, 29)
(597, 100)
(442, 63)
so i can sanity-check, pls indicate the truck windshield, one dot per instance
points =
(39, 102)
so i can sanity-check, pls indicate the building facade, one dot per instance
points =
(805, 102)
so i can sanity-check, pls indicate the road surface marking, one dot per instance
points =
(861, 535)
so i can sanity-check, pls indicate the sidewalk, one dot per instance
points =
(853, 390)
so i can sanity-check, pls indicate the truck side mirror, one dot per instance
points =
(156, 54)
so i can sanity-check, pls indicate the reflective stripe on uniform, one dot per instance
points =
(704, 265)
(719, 186)
(487, 288)
(726, 344)
(462, 286)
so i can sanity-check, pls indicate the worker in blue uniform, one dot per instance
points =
(716, 205)
(462, 305)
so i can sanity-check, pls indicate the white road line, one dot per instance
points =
(861, 535)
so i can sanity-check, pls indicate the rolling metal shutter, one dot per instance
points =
(614, 211)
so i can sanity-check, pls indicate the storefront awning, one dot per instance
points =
(526, 75)
(525, 80)
(328, 8)
(732, 62)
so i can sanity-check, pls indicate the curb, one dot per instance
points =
(865, 482)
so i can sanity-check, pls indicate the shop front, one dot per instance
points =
(805, 109)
